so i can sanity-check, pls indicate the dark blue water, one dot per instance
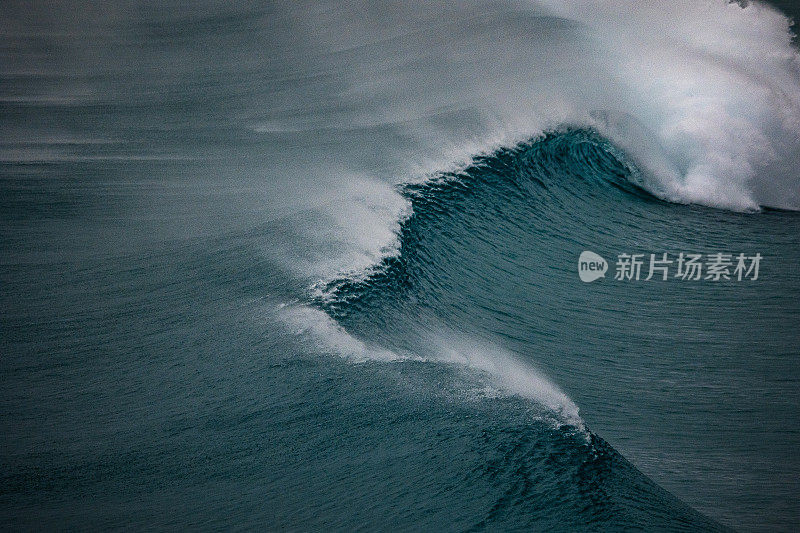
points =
(315, 267)
(487, 254)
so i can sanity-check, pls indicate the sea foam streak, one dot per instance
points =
(513, 376)
(506, 374)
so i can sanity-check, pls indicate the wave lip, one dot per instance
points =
(710, 95)
(513, 376)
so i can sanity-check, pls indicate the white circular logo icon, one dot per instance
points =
(591, 266)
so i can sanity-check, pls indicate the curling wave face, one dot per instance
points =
(488, 252)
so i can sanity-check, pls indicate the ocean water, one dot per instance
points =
(314, 266)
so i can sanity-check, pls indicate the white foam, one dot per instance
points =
(510, 375)
(320, 328)
(717, 89)
(507, 374)
(350, 228)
